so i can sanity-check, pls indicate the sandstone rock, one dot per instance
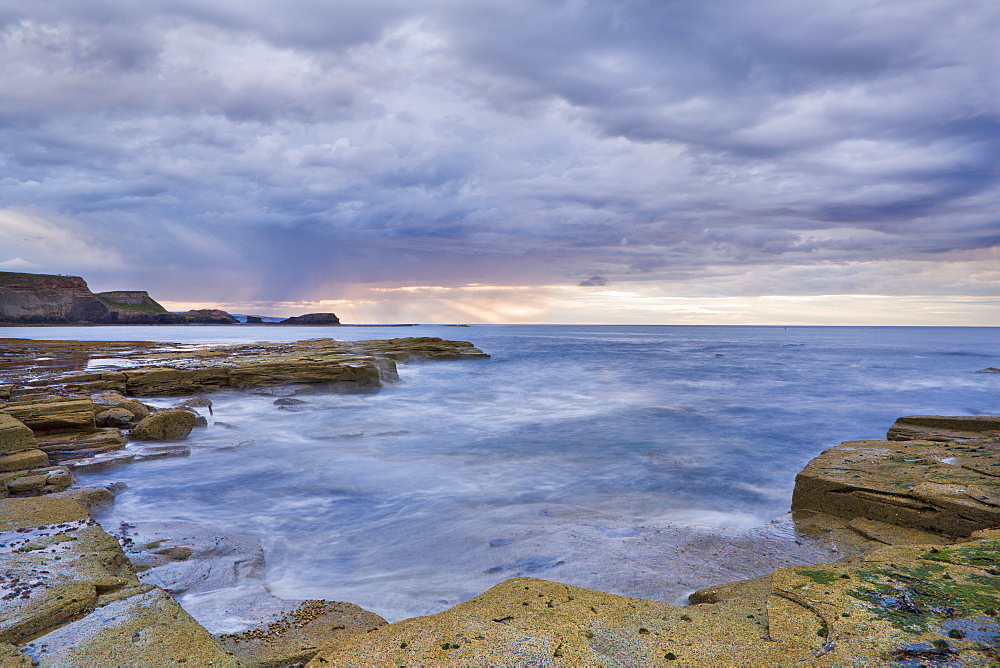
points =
(93, 499)
(63, 448)
(71, 597)
(43, 480)
(168, 425)
(136, 408)
(919, 604)
(106, 398)
(54, 415)
(177, 371)
(944, 428)
(104, 401)
(113, 381)
(133, 452)
(115, 417)
(10, 657)
(298, 632)
(902, 605)
(945, 487)
(15, 436)
(26, 459)
(196, 402)
(170, 381)
(146, 629)
(526, 621)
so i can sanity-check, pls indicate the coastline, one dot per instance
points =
(840, 531)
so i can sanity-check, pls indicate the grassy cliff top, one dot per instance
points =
(147, 305)
(20, 278)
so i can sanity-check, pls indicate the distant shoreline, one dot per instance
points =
(199, 324)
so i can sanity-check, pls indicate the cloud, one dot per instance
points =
(593, 281)
(16, 263)
(219, 150)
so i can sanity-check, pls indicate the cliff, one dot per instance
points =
(45, 298)
(137, 307)
(312, 319)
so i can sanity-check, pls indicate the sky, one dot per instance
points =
(502, 161)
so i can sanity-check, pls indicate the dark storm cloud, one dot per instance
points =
(593, 281)
(318, 144)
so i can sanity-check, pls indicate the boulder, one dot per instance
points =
(116, 417)
(42, 480)
(93, 499)
(173, 424)
(196, 402)
(104, 401)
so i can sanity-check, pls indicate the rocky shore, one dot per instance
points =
(890, 554)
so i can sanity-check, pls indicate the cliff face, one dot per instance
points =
(312, 319)
(47, 298)
(44, 298)
(137, 307)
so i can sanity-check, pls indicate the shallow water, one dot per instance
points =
(564, 456)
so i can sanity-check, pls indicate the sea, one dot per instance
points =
(566, 456)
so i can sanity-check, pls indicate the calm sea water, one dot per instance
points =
(562, 457)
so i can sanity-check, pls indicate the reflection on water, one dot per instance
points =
(573, 454)
(47, 364)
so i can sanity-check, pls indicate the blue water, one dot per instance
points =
(564, 456)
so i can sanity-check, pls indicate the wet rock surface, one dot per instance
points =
(71, 596)
(219, 578)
